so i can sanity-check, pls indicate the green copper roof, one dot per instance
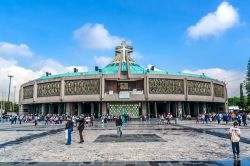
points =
(122, 60)
(110, 69)
(180, 74)
(137, 69)
(69, 75)
(113, 69)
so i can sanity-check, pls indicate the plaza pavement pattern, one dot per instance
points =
(143, 143)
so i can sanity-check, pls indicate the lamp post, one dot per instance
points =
(10, 76)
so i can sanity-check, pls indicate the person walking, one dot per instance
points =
(218, 118)
(68, 130)
(118, 124)
(244, 119)
(36, 118)
(234, 133)
(81, 126)
(239, 119)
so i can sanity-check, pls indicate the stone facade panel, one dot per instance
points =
(199, 88)
(49, 89)
(166, 86)
(28, 92)
(82, 87)
(219, 90)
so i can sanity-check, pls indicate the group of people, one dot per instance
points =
(69, 126)
(14, 119)
(168, 117)
(82, 121)
(227, 117)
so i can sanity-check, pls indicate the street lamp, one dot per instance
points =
(10, 76)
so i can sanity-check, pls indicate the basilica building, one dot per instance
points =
(123, 87)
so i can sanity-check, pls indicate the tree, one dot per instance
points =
(8, 106)
(233, 101)
(248, 83)
(241, 103)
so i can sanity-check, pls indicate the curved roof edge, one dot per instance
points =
(113, 69)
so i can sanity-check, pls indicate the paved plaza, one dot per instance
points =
(142, 143)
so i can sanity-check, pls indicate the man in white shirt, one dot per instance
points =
(235, 139)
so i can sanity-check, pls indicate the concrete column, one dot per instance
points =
(21, 96)
(148, 108)
(21, 109)
(68, 108)
(185, 89)
(102, 87)
(212, 90)
(99, 109)
(168, 107)
(72, 111)
(188, 108)
(43, 109)
(62, 90)
(144, 108)
(83, 111)
(64, 108)
(226, 99)
(35, 92)
(179, 109)
(50, 109)
(92, 108)
(204, 108)
(60, 109)
(196, 109)
(79, 109)
(146, 87)
(198, 105)
(104, 108)
(155, 109)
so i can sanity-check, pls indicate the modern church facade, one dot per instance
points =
(123, 87)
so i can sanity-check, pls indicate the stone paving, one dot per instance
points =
(181, 144)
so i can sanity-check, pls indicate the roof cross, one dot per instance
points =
(123, 49)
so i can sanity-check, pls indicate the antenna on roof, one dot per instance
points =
(48, 74)
(75, 70)
(96, 68)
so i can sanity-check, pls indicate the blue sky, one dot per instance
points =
(159, 30)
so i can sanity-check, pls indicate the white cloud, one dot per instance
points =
(22, 75)
(54, 67)
(231, 77)
(215, 23)
(9, 49)
(136, 55)
(96, 36)
(102, 61)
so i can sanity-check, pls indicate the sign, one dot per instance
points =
(124, 95)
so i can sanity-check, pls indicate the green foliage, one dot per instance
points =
(242, 102)
(248, 83)
(233, 101)
(8, 106)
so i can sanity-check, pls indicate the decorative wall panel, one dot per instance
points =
(28, 92)
(166, 86)
(199, 88)
(49, 89)
(218, 90)
(82, 87)
(131, 109)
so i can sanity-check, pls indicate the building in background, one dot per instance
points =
(124, 87)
